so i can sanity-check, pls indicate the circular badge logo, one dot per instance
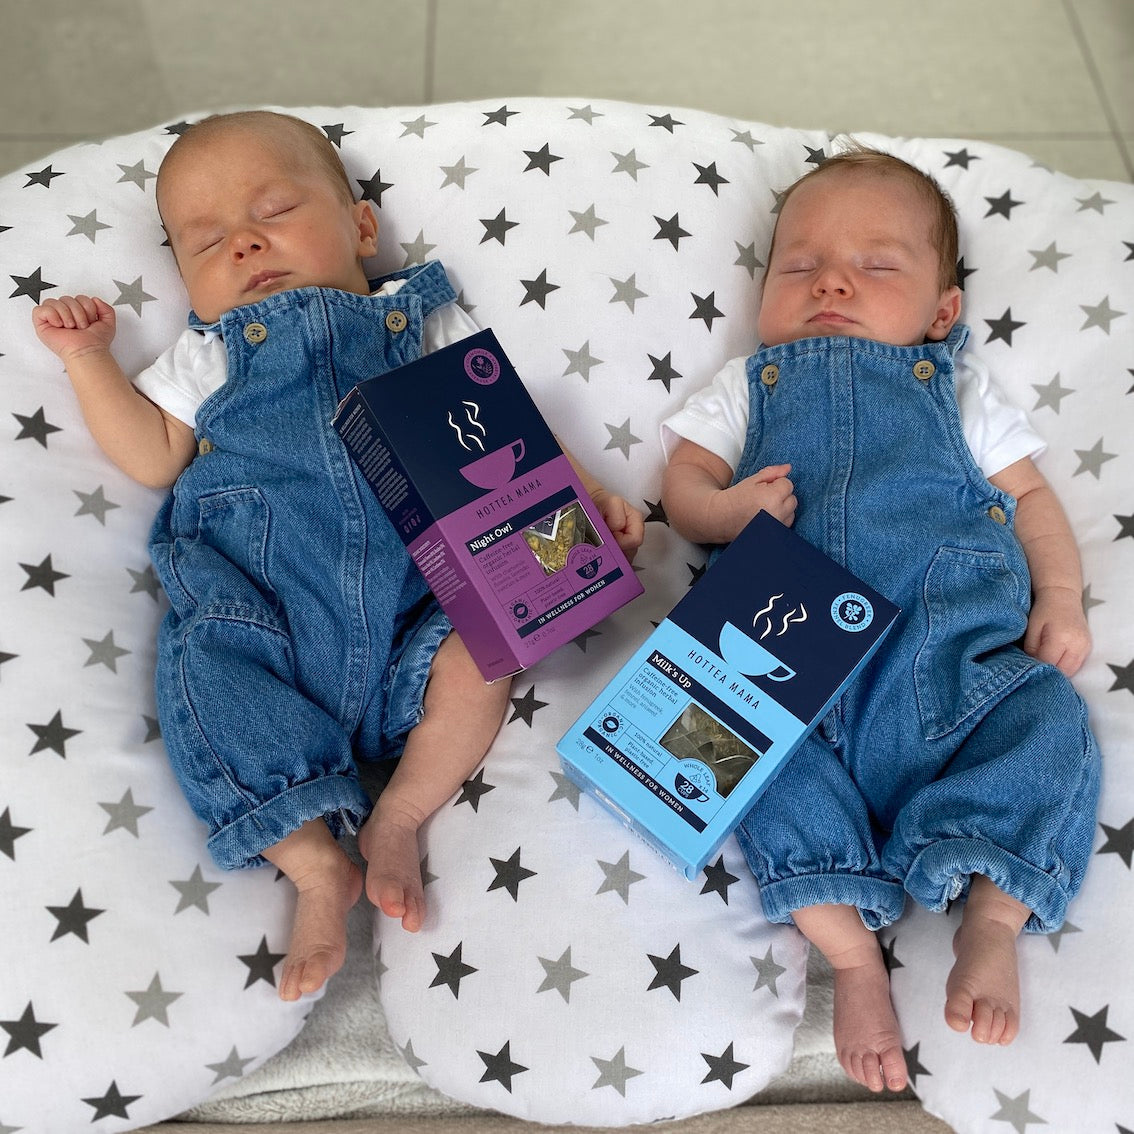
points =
(852, 612)
(482, 366)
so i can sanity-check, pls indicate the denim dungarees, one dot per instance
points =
(300, 631)
(953, 752)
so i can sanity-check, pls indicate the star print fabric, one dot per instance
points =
(565, 973)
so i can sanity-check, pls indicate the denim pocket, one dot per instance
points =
(974, 612)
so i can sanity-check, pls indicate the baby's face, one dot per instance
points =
(852, 256)
(245, 223)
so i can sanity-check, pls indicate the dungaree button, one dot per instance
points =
(396, 322)
(770, 375)
(204, 447)
(255, 333)
(924, 370)
(998, 514)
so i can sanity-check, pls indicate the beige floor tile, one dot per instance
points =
(886, 65)
(1107, 27)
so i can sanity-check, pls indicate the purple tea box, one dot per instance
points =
(486, 502)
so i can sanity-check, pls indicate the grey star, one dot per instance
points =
(665, 121)
(261, 964)
(1092, 460)
(1050, 393)
(231, 1067)
(1093, 1031)
(113, 1104)
(718, 880)
(627, 291)
(89, 226)
(7, 657)
(581, 640)
(380, 966)
(32, 286)
(914, 1066)
(496, 228)
(411, 1057)
(132, 295)
(500, 1068)
(669, 972)
(705, 308)
(9, 833)
(541, 159)
(747, 258)
(374, 187)
(1003, 328)
(1119, 840)
(457, 174)
(336, 133)
(565, 788)
(451, 970)
(94, 504)
(724, 1067)
(1002, 205)
(153, 1002)
(125, 814)
(1100, 315)
(104, 652)
(73, 918)
(537, 290)
(767, 972)
(1049, 257)
(1016, 1111)
(614, 1072)
(1089, 601)
(628, 163)
(663, 370)
(25, 1033)
(509, 874)
(194, 891)
(621, 437)
(708, 175)
(418, 126)
(585, 114)
(744, 137)
(153, 729)
(136, 173)
(463, 303)
(417, 251)
(35, 427)
(145, 581)
(472, 789)
(581, 361)
(53, 735)
(1065, 930)
(525, 707)
(670, 230)
(427, 877)
(1096, 202)
(560, 975)
(619, 877)
(586, 222)
(498, 117)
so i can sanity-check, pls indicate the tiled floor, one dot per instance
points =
(1054, 78)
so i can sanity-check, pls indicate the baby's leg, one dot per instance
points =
(328, 884)
(462, 715)
(983, 989)
(867, 1038)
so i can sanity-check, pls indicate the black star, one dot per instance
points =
(718, 880)
(336, 134)
(525, 707)
(1123, 676)
(889, 957)
(472, 790)
(582, 640)
(708, 175)
(9, 833)
(25, 1033)
(497, 228)
(1002, 205)
(32, 286)
(695, 572)
(112, 1104)
(35, 428)
(373, 188)
(961, 158)
(1119, 841)
(178, 128)
(670, 972)
(670, 230)
(1126, 527)
(913, 1064)
(42, 177)
(73, 918)
(723, 1067)
(1129, 244)
(663, 370)
(537, 290)
(656, 513)
(499, 1068)
(53, 735)
(42, 575)
(1003, 328)
(499, 117)
(541, 159)
(665, 121)
(451, 970)
(509, 874)
(815, 157)
(261, 964)
(963, 273)
(1093, 1031)
(705, 308)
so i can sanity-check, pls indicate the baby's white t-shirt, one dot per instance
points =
(183, 376)
(716, 418)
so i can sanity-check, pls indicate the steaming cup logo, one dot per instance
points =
(482, 366)
(746, 655)
(852, 612)
(497, 466)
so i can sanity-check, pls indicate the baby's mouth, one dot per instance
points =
(262, 279)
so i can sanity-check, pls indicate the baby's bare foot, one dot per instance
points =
(388, 842)
(867, 1037)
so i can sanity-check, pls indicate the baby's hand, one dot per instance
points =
(769, 490)
(1057, 630)
(74, 325)
(624, 520)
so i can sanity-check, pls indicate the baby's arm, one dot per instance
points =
(143, 441)
(626, 522)
(702, 506)
(1057, 628)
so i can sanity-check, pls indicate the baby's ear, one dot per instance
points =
(948, 312)
(367, 224)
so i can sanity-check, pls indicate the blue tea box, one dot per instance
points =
(697, 723)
